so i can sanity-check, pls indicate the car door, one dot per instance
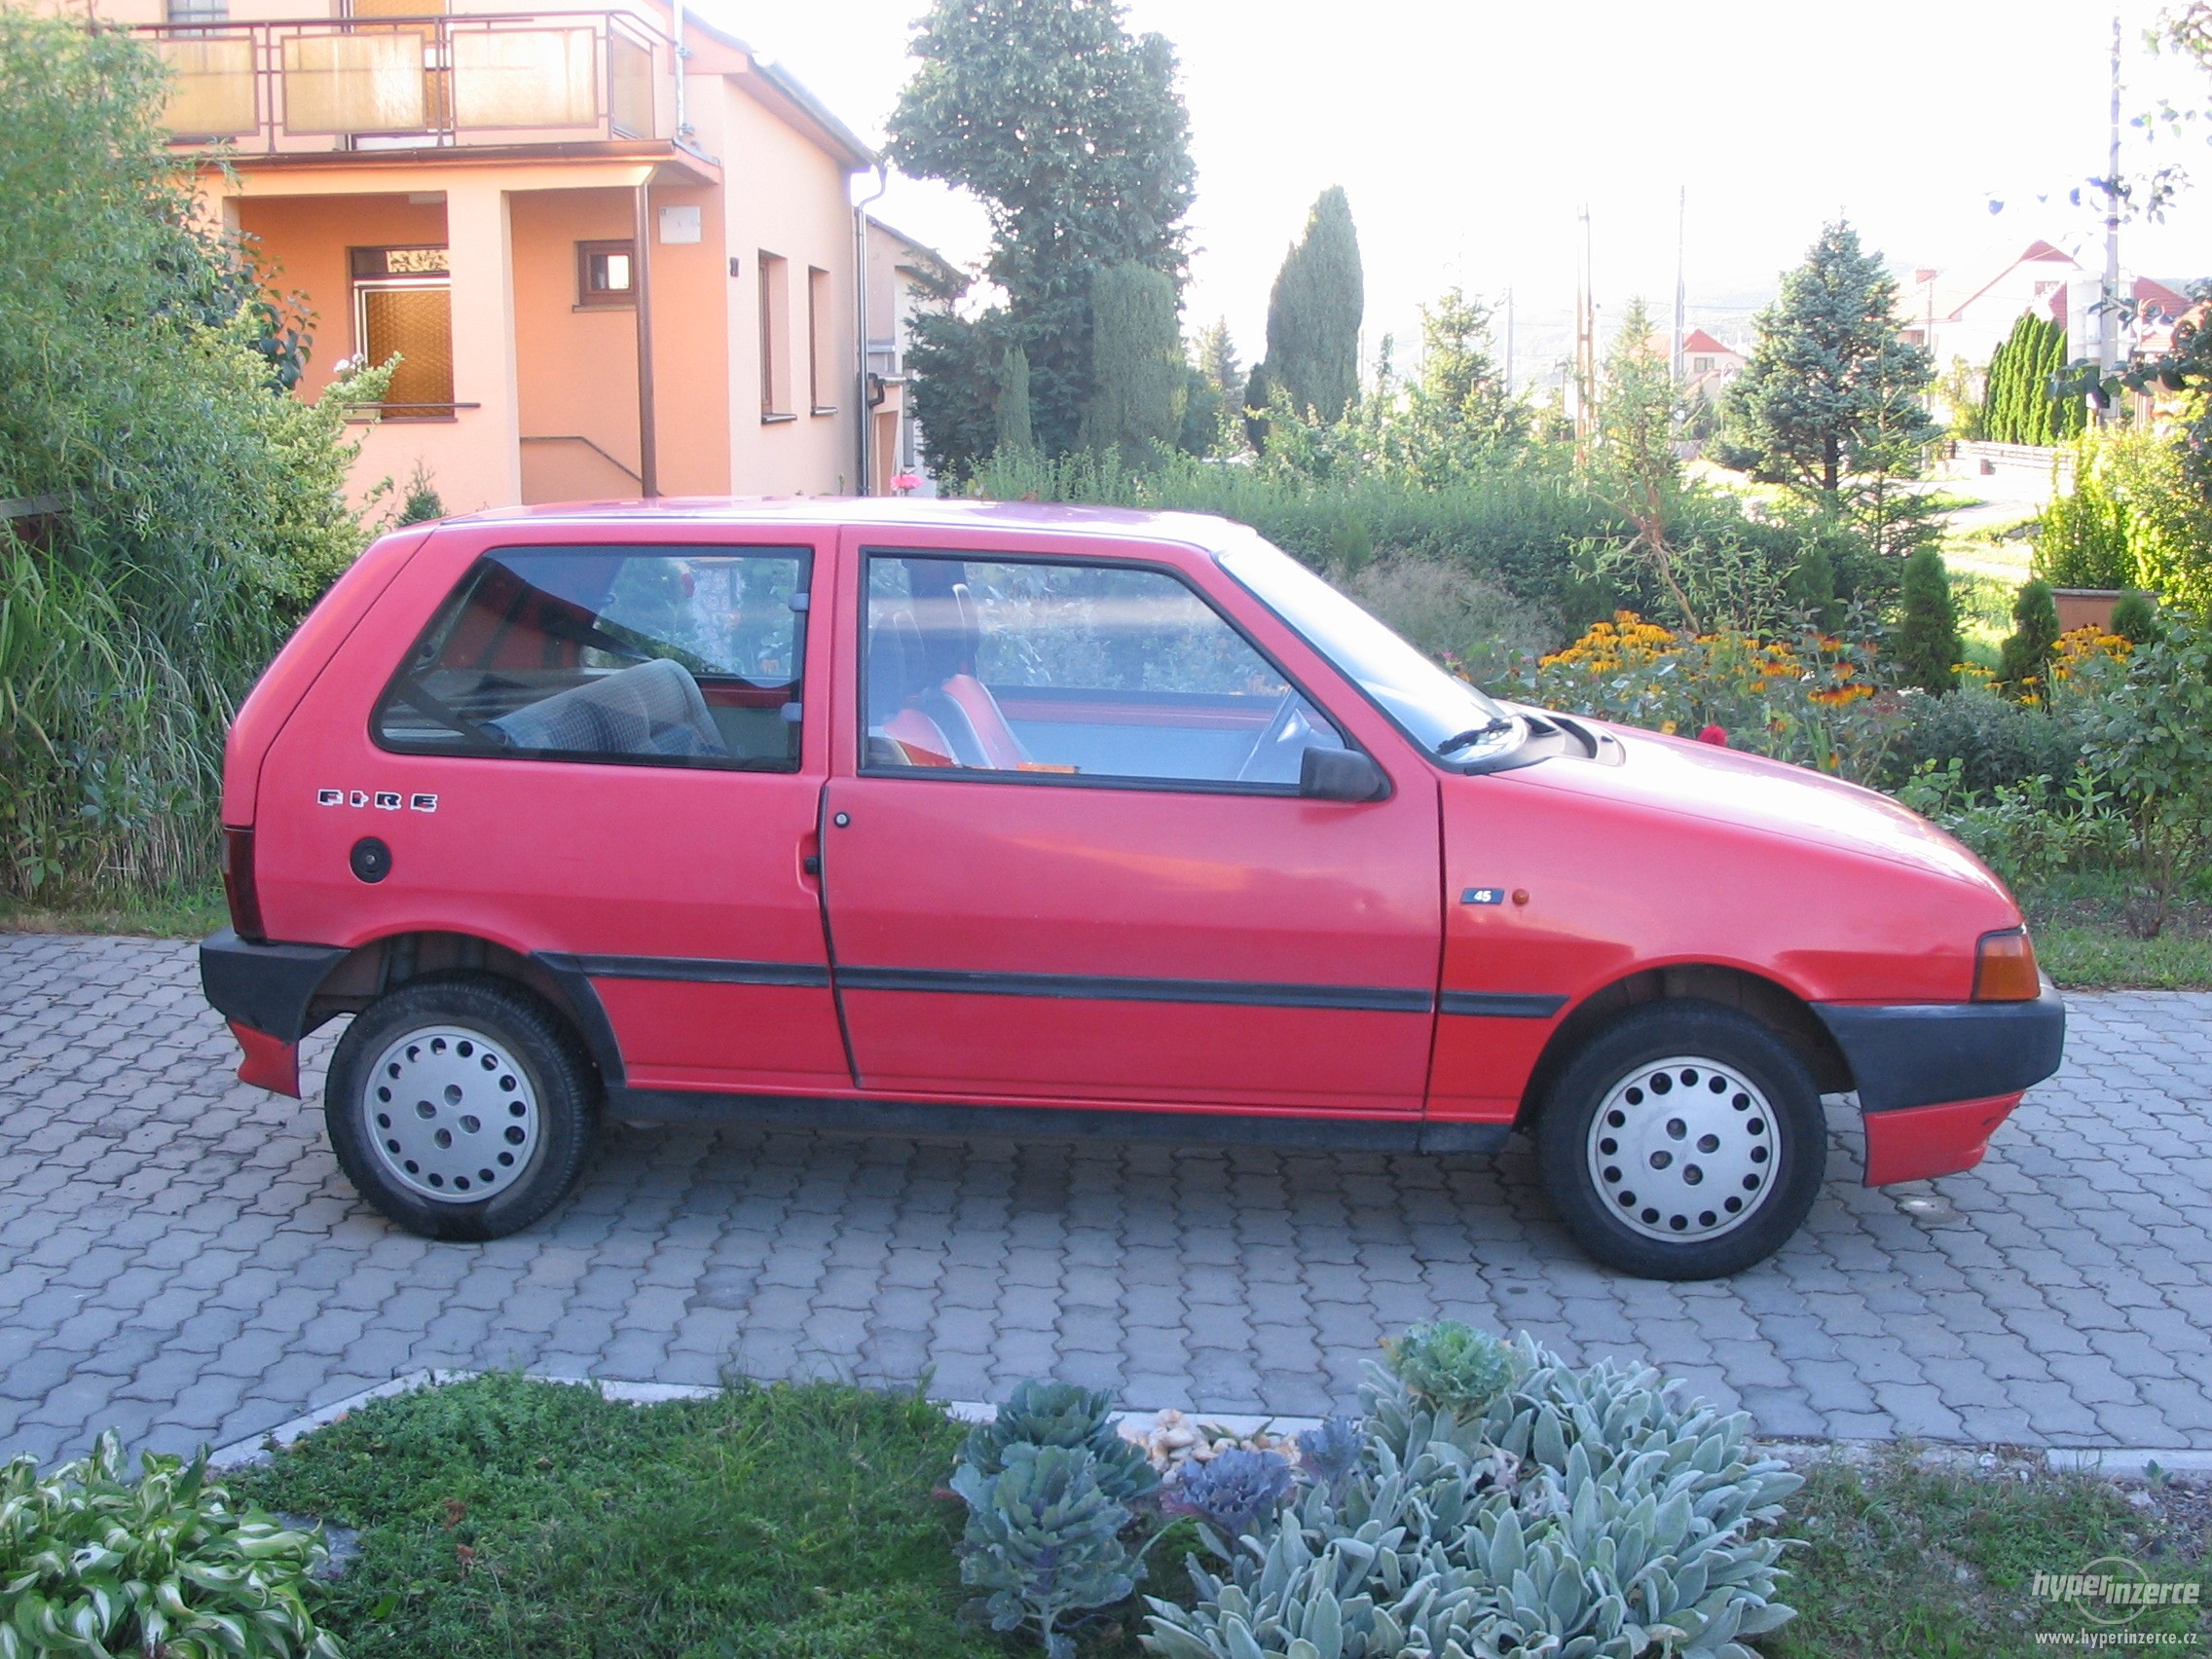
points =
(601, 752)
(1065, 858)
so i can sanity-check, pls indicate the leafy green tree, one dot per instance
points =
(1138, 374)
(1829, 404)
(1315, 311)
(1072, 134)
(2024, 658)
(1457, 411)
(1926, 642)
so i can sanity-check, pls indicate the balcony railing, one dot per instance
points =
(406, 83)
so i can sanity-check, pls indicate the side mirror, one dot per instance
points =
(1340, 774)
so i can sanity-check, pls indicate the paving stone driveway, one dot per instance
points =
(179, 1256)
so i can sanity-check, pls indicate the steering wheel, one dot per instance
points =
(1287, 724)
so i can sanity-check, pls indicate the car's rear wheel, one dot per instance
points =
(461, 1106)
(1684, 1141)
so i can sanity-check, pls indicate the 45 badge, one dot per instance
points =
(384, 801)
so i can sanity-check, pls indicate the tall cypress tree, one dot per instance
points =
(1015, 432)
(1138, 374)
(1315, 311)
(1928, 646)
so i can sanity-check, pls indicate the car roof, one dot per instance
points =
(1203, 531)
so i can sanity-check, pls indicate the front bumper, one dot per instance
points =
(1935, 1079)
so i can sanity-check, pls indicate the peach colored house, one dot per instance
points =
(610, 267)
(904, 279)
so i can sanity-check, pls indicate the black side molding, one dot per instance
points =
(1044, 1122)
(266, 987)
(1925, 1053)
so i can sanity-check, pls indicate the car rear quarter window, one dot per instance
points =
(658, 656)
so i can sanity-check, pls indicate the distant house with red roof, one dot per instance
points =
(1970, 317)
(1708, 365)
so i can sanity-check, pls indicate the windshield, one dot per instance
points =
(1441, 712)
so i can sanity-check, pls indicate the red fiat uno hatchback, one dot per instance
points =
(956, 817)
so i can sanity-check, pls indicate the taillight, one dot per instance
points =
(239, 890)
(2005, 968)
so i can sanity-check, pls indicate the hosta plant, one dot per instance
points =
(1043, 1540)
(1060, 1413)
(97, 1560)
(1578, 1515)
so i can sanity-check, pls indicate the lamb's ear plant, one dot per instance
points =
(95, 1560)
(1043, 1541)
(1584, 1513)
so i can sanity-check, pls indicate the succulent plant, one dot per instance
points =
(1043, 1541)
(1591, 1514)
(1452, 1367)
(1234, 1494)
(1060, 1413)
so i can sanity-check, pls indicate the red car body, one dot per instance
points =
(830, 943)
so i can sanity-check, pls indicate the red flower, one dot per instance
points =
(1714, 735)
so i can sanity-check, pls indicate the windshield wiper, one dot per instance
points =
(1474, 736)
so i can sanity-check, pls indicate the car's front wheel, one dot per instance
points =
(461, 1106)
(1684, 1141)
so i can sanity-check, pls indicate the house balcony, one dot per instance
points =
(415, 84)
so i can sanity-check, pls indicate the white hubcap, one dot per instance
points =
(451, 1114)
(1683, 1149)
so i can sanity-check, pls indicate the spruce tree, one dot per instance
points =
(1927, 634)
(1217, 358)
(1831, 391)
(1315, 311)
(1137, 371)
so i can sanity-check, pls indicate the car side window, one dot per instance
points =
(661, 656)
(1063, 670)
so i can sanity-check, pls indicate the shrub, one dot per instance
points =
(1580, 1513)
(1927, 645)
(2026, 831)
(1470, 623)
(204, 510)
(1994, 740)
(2135, 617)
(2024, 659)
(95, 1561)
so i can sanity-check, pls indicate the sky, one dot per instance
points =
(1468, 135)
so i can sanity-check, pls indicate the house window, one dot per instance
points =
(1701, 365)
(775, 339)
(198, 11)
(820, 339)
(403, 307)
(605, 274)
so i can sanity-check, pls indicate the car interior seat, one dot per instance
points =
(651, 708)
(895, 683)
(951, 636)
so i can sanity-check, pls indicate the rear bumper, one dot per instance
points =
(1935, 1079)
(266, 986)
(264, 992)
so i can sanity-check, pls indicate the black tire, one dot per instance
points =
(1744, 1213)
(534, 1047)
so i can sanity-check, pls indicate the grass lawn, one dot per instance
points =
(188, 914)
(502, 1517)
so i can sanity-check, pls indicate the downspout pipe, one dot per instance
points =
(865, 448)
(677, 55)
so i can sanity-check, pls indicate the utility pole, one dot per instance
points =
(1585, 346)
(1509, 340)
(2108, 317)
(1682, 231)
